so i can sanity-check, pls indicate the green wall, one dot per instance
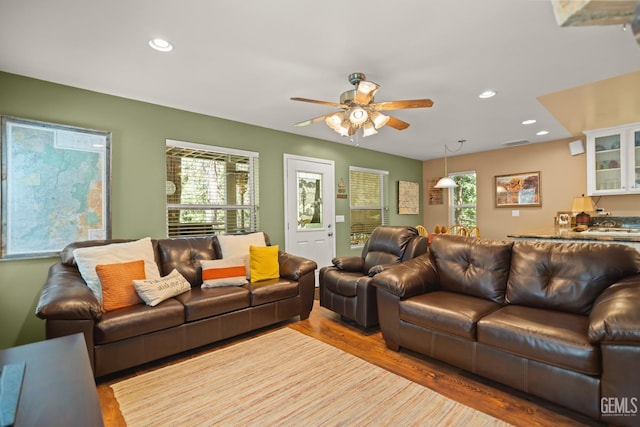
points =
(139, 131)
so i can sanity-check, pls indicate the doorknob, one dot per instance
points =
(329, 234)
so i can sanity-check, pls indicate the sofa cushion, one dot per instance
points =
(263, 262)
(116, 280)
(554, 338)
(223, 272)
(184, 254)
(154, 291)
(271, 290)
(237, 245)
(471, 266)
(138, 320)
(88, 257)
(566, 276)
(201, 303)
(447, 312)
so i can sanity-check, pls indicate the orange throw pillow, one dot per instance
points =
(117, 284)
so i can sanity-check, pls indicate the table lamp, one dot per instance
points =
(582, 205)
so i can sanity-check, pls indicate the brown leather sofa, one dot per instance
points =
(558, 320)
(345, 286)
(131, 336)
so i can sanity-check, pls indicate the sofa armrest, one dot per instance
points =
(615, 316)
(409, 278)
(66, 296)
(349, 263)
(293, 267)
(380, 268)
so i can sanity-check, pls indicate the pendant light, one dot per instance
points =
(446, 181)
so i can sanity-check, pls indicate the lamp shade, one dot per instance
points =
(583, 204)
(446, 182)
(580, 205)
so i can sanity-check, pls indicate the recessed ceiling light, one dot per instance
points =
(161, 45)
(542, 132)
(487, 94)
(529, 122)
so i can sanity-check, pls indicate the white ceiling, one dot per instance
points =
(243, 60)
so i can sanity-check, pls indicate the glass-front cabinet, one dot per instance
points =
(613, 160)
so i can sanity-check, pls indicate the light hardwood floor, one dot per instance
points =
(494, 399)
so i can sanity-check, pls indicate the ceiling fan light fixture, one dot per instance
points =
(358, 116)
(368, 129)
(334, 121)
(345, 128)
(379, 119)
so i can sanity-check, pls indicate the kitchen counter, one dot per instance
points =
(566, 234)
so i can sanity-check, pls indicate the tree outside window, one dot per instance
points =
(464, 199)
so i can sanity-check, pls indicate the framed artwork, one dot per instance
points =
(55, 187)
(435, 194)
(518, 190)
(408, 198)
(563, 218)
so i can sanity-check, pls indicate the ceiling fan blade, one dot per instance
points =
(330, 104)
(365, 92)
(397, 123)
(399, 105)
(314, 120)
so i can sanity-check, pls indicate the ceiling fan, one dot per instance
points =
(359, 111)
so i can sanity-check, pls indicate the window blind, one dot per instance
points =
(368, 202)
(210, 190)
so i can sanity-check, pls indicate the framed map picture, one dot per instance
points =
(408, 198)
(55, 186)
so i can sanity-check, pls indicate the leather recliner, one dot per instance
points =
(346, 287)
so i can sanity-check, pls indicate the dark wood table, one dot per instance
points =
(58, 388)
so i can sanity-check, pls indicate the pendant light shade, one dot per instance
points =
(446, 181)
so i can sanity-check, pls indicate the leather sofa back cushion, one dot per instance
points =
(566, 276)
(184, 255)
(387, 245)
(472, 266)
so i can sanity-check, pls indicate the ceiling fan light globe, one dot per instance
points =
(379, 119)
(368, 129)
(358, 115)
(334, 121)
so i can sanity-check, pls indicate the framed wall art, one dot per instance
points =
(518, 190)
(55, 186)
(408, 198)
(435, 194)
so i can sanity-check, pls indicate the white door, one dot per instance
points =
(309, 208)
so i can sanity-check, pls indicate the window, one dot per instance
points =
(463, 199)
(210, 190)
(368, 207)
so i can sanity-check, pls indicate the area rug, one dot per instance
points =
(285, 378)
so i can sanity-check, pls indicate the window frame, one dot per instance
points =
(383, 176)
(453, 206)
(207, 151)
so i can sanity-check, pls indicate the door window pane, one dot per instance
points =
(309, 200)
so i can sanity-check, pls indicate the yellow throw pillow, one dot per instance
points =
(263, 263)
(117, 284)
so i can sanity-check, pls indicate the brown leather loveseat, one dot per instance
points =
(558, 320)
(130, 336)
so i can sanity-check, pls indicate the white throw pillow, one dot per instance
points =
(224, 272)
(88, 258)
(154, 291)
(238, 245)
